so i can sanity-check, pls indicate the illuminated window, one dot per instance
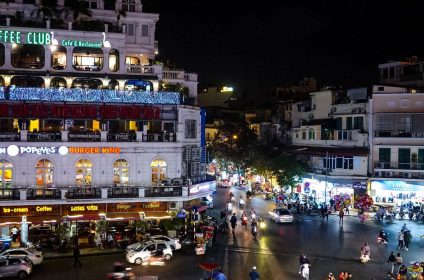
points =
(58, 82)
(158, 167)
(83, 172)
(58, 57)
(28, 56)
(5, 173)
(87, 59)
(121, 172)
(113, 60)
(44, 173)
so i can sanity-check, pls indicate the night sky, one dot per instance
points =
(267, 43)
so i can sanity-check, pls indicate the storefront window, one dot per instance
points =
(5, 173)
(58, 57)
(87, 59)
(44, 173)
(121, 171)
(58, 82)
(113, 60)
(113, 84)
(158, 167)
(28, 56)
(27, 81)
(138, 85)
(87, 83)
(130, 60)
(84, 172)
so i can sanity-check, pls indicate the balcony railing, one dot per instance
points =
(84, 193)
(44, 136)
(9, 194)
(84, 136)
(121, 136)
(399, 134)
(43, 193)
(396, 165)
(122, 192)
(160, 137)
(89, 95)
(173, 74)
(138, 69)
(10, 136)
(163, 191)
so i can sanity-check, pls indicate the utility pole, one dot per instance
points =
(326, 177)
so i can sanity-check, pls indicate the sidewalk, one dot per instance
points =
(85, 252)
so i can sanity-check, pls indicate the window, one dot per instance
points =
(339, 162)
(58, 82)
(58, 57)
(420, 156)
(348, 163)
(2, 54)
(83, 172)
(384, 155)
(44, 173)
(158, 168)
(5, 173)
(128, 5)
(121, 171)
(130, 29)
(190, 129)
(311, 134)
(87, 59)
(404, 158)
(28, 56)
(113, 60)
(358, 122)
(303, 134)
(349, 123)
(333, 162)
(144, 30)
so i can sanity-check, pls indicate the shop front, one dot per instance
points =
(397, 193)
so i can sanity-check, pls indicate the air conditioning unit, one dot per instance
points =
(407, 175)
(388, 174)
(172, 206)
(354, 111)
(380, 165)
(378, 174)
(177, 181)
(150, 137)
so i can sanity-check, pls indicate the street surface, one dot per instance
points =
(329, 246)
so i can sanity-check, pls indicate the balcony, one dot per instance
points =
(411, 166)
(9, 194)
(123, 192)
(84, 193)
(399, 134)
(160, 137)
(129, 136)
(43, 193)
(163, 191)
(173, 74)
(90, 95)
(10, 136)
(341, 138)
(84, 136)
(44, 136)
(141, 70)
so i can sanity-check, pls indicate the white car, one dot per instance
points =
(36, 257)
(173, 243)
(281, 215)
(149, 249)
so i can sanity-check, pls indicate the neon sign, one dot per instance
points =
(32, 38)
(79, 43)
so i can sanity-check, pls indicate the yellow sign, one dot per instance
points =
(152, 205)
(15, 210)
(80, 208)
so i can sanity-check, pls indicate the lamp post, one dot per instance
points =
(326, 177)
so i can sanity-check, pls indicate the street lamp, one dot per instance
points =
(326, 177)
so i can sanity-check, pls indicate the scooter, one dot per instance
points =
(383, 239)
(120, 272)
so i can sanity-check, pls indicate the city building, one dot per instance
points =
(329, 133)
(91, 127)
(408, 73)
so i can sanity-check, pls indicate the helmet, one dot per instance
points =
(254, 267)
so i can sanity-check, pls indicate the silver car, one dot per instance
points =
(19, 267)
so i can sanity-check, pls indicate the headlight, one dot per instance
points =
(262, 225)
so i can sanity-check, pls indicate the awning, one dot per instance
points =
(44, 219)
(332, 151)
(157, 215)
(200, 208)
(122, 216)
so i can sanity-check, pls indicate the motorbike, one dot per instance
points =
(223, 226)
(255, 231)
(383, 238)
(120, 272)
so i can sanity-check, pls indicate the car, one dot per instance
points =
(208, 201)
(149, 249)
(36, 257)
(173, 243)
(281, 215)
(12, 266)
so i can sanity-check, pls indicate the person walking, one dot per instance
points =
(341, 215)
(15, 232)
(254, 275)
(365, 253)
(76, 254)
(399, 261)
(400, 240)
(220, 275)
(233, 222)
(391, 261)
(406, 239)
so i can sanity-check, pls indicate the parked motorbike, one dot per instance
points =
(120, 272)
(383, 238)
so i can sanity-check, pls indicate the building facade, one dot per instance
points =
(91, 127)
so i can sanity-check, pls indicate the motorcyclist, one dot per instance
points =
(252, 215)
(241, 203)
(248, 194)
(383, 235)
(254, 226)
(244, 219)
(229, 207)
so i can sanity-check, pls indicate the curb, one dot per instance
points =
(69, 256)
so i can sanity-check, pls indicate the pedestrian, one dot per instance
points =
(330, 276)
(233, 222)
(110, 240)
(14, 232)
(303, 259)
(254, 275)
(220, 275)
(223, 214)
(400, 239)
(399, 260)
(403, 271)
(322, 212)
(391, 261)
(406, 239)
(365, 253)
(341, 215)
(76, 254)
(347, 209)
(327, 212)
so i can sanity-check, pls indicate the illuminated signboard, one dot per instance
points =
(18, 37)
(30, 210)
(83, 209)
(14, 150)
(79, 43)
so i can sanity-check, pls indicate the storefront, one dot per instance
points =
(397, 192)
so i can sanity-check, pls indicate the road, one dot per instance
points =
(329, 246)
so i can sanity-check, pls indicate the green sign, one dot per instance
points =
(32, 38)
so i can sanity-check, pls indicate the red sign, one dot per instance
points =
(79, 111)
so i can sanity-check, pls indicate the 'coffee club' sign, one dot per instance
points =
(32, 38)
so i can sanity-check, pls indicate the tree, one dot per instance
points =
(119, 14)
(288, 170)
(47, 9)
(77, 8)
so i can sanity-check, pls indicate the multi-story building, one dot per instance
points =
(90, 127)
(329, 132)
(409, 72)
(397, 148)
